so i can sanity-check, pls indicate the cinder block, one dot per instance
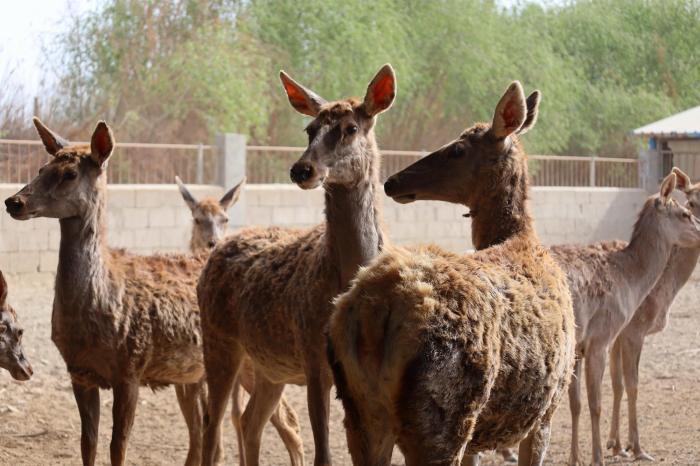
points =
(48, 261)
(54, 239)
(121, 239)
(259, 215)
(20, 262)
(146, 239)
(161, 217)
(34, 240)
(174, 238)
(284, 216)
(135, 218)
(9, 240)
(120, 196)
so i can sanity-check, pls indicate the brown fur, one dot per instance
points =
(442, 353)
(12, 357)
(608, 282)
(119, 320)
(268, 292)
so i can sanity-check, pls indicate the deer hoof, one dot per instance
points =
(616, 448)
(643, 456)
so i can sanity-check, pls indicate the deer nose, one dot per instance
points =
(301, 171)
(390, 185)
(14, 204)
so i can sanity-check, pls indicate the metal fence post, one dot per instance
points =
(592, 172)
(200, 164)
(231, 150)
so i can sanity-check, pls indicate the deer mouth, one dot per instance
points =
(404, 198)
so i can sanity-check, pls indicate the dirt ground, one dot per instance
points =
(39, 422)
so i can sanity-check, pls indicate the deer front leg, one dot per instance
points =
(533, 449)
(126, 395)
(188, 397)
(318, 394)
(262, 403)
(286, 421)
(575, 408)
(614, 442)
(631, 355)
(88, 400)
(595, 367)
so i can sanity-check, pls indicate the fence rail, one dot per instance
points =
(198, 163)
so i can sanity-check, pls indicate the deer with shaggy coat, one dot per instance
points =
(12, 357)
(446, 354)
(608, 284)
(138, 315)
(209, 225)
(268, 292)
(651, 317)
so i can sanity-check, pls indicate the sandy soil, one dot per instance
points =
(39, 422)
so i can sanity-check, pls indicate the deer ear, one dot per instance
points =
(101, 144)
(302, 99)
(3, 289)
(381, 91)
(684, 183)
(186, 194)
(52, 141)
(511, 112)
(231, 197)
(533, 104)
(667, 187)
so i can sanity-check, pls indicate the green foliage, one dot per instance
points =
(182, 70)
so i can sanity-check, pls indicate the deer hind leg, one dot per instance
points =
(575, 408)
(631, 355)
(188, 397)
(221, 362)
(237, 403)
(126, 395)
(509, 456)
(533, 449)
(261, 405)
(614, 442)
(88, 400)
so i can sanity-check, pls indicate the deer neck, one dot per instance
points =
(354, 235)
(82, 273)
(497, 217)
(678, 270)
(645, 258)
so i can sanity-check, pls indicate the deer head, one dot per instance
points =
(209, 215)
(342, 147)
(692, 191)
(677, 223)
(69, 184)
(11, 352)
(470, 168)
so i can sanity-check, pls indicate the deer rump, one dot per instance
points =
(439, 337)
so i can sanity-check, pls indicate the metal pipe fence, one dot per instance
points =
(139, 163)
(132, 163)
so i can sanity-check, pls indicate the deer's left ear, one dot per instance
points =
(667, 187)
(684, 183)
(3, 289)
(231, 197)
(511, 112)
(533, 105)
(381, 91)
(101, 144)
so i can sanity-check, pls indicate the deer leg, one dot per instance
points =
(126, 395)
(286, 421)
(221, 362)
(575, 408)
(631, 355)
(261, 405)
(595, 368)
(616, 378)
(533, 449)
(471, 460)
(237, 403)
(509, 456)
(188, 397)
(88, 400)
(318, 394)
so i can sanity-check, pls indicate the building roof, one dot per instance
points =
(685, 124)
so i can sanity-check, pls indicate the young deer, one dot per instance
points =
(12, 357)
(267, 292)
(444, 354)
(651, 317)
(119, 320)
(607, 287)
(210, 222)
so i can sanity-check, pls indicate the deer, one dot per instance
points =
(285, 279)
(447, 355)
(608, 284)
(12, 357)
(651, 317)
(138, 315)
(209, 226)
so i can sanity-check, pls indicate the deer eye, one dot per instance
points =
(197, 221)
(350, 130)
(224, 220)
(70, 175)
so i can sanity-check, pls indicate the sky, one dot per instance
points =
(26, 27)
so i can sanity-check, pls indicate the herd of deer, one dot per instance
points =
(445, 355)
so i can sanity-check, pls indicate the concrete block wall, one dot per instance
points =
(149, 218)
